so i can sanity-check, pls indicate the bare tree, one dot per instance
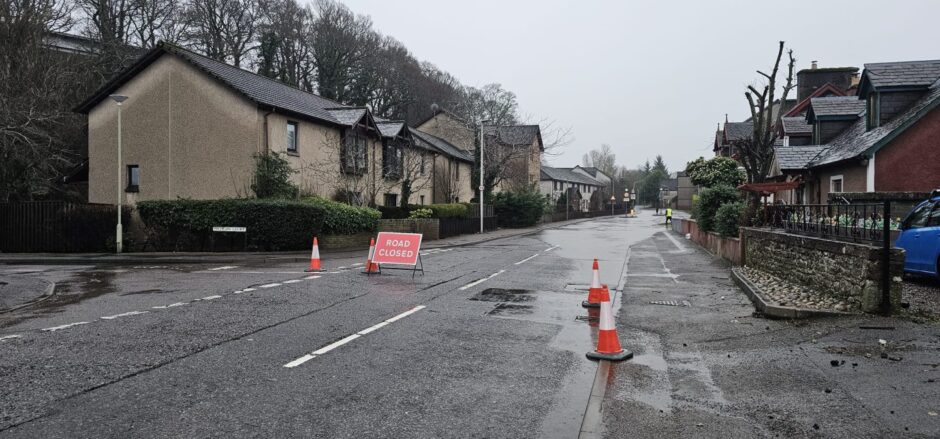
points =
(341, 43)
(756, 152)
(222, 29)
(155, 20)
(603, 159)
(284, 52)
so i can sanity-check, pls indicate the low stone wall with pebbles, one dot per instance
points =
(782, 293)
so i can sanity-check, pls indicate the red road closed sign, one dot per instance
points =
(397, 248)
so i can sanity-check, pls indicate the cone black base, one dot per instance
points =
(587, 304)
(310, 270)
(620, 356)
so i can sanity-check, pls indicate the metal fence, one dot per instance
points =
(57, 226)
(849, 222)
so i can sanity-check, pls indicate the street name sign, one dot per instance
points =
(397, 248)
(230, 229)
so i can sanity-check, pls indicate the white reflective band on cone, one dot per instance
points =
(607, 317)
(596, 282)
(315, 254)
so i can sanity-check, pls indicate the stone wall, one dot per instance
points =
(351, 242)
(848, 272)
(429, 227)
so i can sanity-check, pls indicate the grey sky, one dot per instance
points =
(646, 77)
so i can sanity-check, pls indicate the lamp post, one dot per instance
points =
(613, 200)
(118, 233)
(482, 187)
(626, 202)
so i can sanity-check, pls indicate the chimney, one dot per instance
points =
(813, 66)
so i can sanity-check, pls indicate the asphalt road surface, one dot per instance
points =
(489, 342)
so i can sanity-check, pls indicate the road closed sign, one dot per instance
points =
(397, 248)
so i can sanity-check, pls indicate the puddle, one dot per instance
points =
(504, 295)
(510, 309)
(154, 291)
(83, 285)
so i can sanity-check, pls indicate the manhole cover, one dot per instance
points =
(670, 302)
(504, 295)
(510, 309)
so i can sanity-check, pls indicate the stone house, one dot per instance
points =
(585, 192)
(193, 125)
(521, 148)
(454, 170)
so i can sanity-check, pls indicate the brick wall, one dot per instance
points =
(909, 162)
(336, 242)
(429, 227)
(724, 247)
(845, 271)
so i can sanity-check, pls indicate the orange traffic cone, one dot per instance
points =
(594, 292)
(608, 343)
(371, 267)
(315, 257)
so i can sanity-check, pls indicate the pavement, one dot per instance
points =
(19, 291)
(490, 342)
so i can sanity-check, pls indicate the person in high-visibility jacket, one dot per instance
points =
(668, 215)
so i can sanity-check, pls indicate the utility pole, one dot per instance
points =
(118, 232)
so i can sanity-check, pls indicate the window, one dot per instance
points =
(873, 110)
(456, 171)
(786, 140)
(355, 153)
(422, 200)
(391, 200)
(917, 218)
(392, 160)
(422, 164)
(291, 136)
(133, 178)
(934, 219)
(835, 183)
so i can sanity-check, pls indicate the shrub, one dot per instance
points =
(389, 212)
(453, 210)
(271, 224)
(272, 177)
(421, 213)
(519, 209)
(709, 201)
(728, 217)
(343, 219)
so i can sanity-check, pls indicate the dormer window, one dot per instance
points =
(873, 112)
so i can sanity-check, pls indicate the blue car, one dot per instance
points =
(920, 237)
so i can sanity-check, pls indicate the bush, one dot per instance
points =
(272, 177)
(389, 212)
(343, 219)
(709, 201)
(519, 209)
(453, 210)
(728, 217)
(421, 213)
(271, 224)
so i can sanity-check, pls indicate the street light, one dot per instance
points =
(119, 234)
(482, 137)
(613, 200)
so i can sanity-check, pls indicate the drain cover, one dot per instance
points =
(670, 302)
(504, 295)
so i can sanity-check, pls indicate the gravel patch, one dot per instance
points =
(783, 293)
(922, 295)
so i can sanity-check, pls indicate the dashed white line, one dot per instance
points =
(479, 281)
(10, 337)
(356, 264)
(311, 277)
(56, 328)
(125, 314)
(270, 285)
(176, 304)
(307, 357)
(526, 259)
(226, 267)
(293, 281)
(211, 297)
(550, 249)
(248, 290)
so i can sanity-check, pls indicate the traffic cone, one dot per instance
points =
(594, 292)
(371, 267)
(315, 257)
(608, 343)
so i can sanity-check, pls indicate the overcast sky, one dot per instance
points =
(648, 77)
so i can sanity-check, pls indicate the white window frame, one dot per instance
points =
(833, 179)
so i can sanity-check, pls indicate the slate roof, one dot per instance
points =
(796, 126)
(566, 174)
(797, 157)
(439, 144)
(515, 135)
(389, 128)
(594, 171)
(857, 140)
(901, 74)
(262, 90)
(738, 130)
(348, 116)
(835, 106)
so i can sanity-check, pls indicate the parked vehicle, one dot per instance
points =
(920, 237)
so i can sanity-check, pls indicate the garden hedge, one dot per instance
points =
(728, 217)
(453, 210)
(271, 224)
(343, 219)
(710, 199)
(519, 209)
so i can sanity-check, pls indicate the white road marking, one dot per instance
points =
(270, 285)
(311, 277)
(339, 268)
(334, 272)
(225, 267)
(247, 290)
(479, 281)
(175, 304)
(526, 259)
(130, 313)
(550, 249)
(292, 281)
(349, 338)
(357, 264)
(9, 337)
(56, 328)
(211, 297)
(674, 241)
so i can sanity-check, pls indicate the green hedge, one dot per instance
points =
(343, 219)
(519, 209)
(453, 210)
(710, 199)
(271, 224)
(728, 217)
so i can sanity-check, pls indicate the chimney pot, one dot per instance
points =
(813, 66)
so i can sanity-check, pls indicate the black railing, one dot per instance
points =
(849, 222)
(56, 226)
(448, 227)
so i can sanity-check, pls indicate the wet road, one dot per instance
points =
(489, 343)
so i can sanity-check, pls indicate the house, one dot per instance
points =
(732, 132)
(520, 147)
(685, 191)
(559, 183)
(598, 175)
(192, 127)
(452, 169)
